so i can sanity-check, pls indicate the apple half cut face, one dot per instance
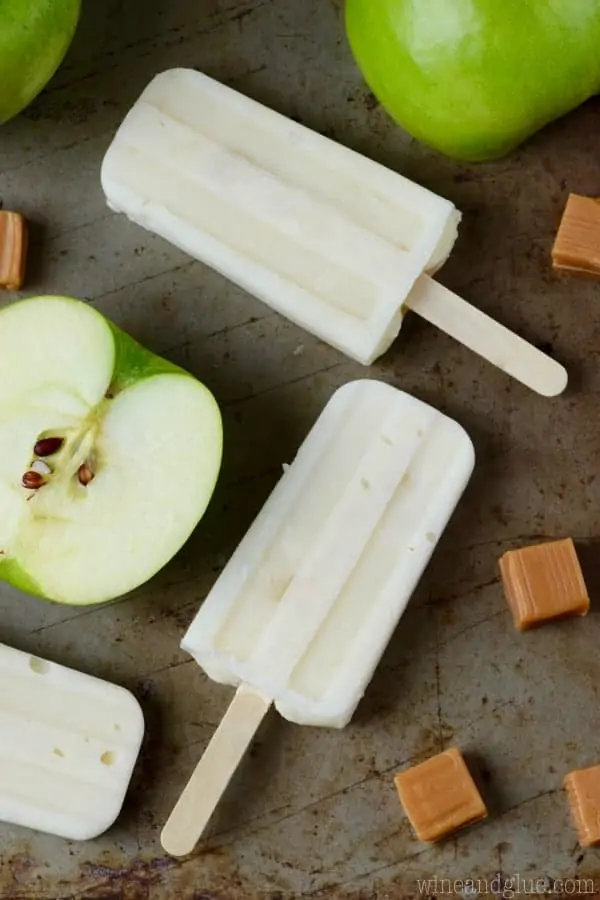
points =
(109, 455)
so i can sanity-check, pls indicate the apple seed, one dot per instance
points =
(85, 475)
(41, 467)
(48, 446)
(33, 480)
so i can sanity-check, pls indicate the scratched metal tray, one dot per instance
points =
(314, 811)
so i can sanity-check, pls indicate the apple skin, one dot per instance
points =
(12, 573)
(475, 78)
(34, 38)
(133, 363)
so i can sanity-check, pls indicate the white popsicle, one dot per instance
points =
(303, 611)
(339, 244)
(68, 746)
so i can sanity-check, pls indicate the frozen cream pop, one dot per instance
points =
(339, 244)
(68, 746)
(304, 609)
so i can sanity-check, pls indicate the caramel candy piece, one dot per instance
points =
(544, 582)
(439, 796)
(583, 789)
(577, 244)
(13, 250)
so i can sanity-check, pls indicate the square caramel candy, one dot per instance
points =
(577, 243)
(583, 790)
(439, 796)
(13, 250)
(544, 582)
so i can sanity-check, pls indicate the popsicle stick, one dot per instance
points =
(477, 331)
(215, 770)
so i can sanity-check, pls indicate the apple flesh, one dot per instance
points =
(34, 38)
(109, 455)
(475, 78)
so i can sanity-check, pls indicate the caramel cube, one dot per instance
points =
(13, 250)
(583, 789)
(577, 244)
(439, 796)
(544, 582)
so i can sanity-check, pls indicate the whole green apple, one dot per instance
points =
(34, 38)
(109, 454)
(475, 78)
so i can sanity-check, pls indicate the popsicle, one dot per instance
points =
(68, 746)
(339, 244)
(305, 607)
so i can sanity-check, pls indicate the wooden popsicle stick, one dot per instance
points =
(477, 331)
(215, 770)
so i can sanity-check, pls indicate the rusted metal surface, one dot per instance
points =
(314, 812)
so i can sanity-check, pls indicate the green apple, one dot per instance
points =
(34, 37)
(109, 454)
(475, 78)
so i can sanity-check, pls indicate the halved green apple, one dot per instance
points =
(109, 454)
